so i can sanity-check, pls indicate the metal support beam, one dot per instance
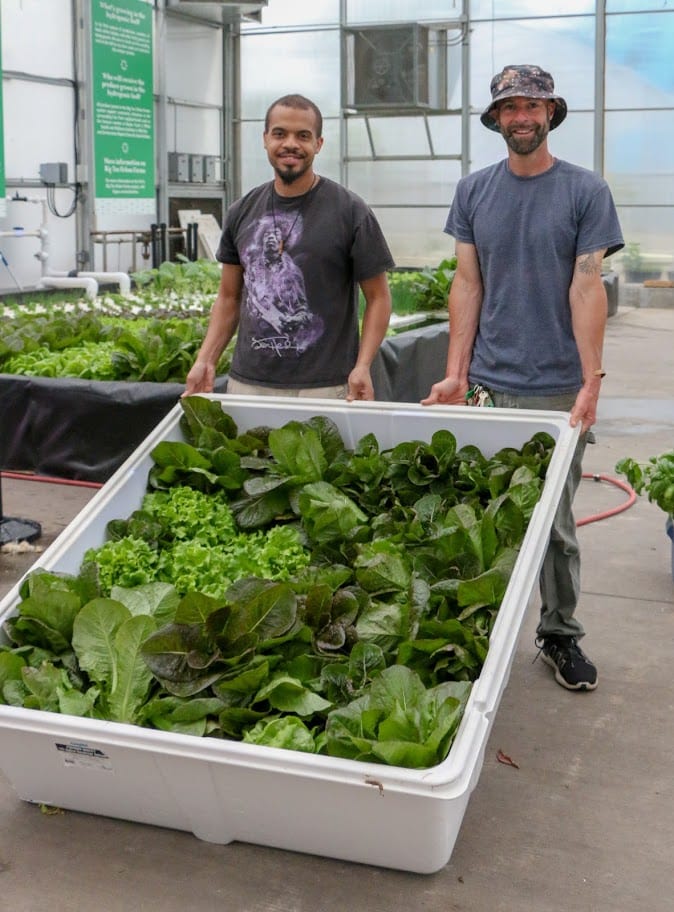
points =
(85, 217)
(465, 91)
(161, 126)
(231, 113)
(599, 84)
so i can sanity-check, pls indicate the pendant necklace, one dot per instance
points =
(300, 210)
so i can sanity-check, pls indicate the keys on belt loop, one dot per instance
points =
(479, 396)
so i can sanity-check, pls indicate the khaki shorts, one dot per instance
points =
(321, 392)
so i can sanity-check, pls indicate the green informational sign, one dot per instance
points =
(123, 107)
(3, 201)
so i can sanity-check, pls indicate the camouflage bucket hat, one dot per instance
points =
(528, 82)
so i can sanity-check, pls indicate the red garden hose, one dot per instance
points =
(629, 490)
(25, 476)
(604, 514)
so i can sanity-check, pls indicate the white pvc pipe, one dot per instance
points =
(89, 285)
(83, 279)
(18, 234)
(121, 278)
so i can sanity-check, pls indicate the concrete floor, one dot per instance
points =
(584, 823)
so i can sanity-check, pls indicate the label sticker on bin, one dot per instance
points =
(81, 754)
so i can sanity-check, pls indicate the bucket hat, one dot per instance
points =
(529, 82)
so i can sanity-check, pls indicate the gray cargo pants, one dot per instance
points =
(560, 573)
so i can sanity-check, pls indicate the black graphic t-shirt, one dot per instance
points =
(302, 259)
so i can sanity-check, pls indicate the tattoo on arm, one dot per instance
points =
(590, 264)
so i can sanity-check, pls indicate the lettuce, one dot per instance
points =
(398, 721)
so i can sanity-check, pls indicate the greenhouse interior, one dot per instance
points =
(281, 645)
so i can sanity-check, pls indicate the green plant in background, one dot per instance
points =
(154, 333)
(432, 286)
(28, 299)
(639, 267)
(654, 478)
(420, 291)
(182, 276)
(93, 347)
(631, 258)
(403, 291)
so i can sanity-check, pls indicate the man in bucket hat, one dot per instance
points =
(523, 82)
(528, 309)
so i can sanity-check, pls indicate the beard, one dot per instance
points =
(525, 145)
(289, 176)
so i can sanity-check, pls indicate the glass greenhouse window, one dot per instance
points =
(362, 11)
(297, 12)
(358, 141)
(399, 136)
(303, 48)
(416, 237)
(300, 62)
(564, 46)
(639, 70)
(515, 9)
(409, 183)
(195, 130)
(631, 6)
(640, 170)
(445, 130)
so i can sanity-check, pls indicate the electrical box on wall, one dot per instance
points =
(54, 172)
(197, 169)
(178, 167)
(397, 67)
(212, 170)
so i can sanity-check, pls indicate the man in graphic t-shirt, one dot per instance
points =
(295, 252)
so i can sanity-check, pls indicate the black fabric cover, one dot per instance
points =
(79, 429)
(85, 429)
(408, 364)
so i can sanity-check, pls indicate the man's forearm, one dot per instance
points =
(589, 311)
(221, 328)
(375, 319)
(465, 301)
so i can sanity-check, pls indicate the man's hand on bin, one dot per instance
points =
(447, 392)
(201, 379)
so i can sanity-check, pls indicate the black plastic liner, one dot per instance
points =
(85, 429)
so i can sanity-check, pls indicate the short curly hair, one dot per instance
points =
(296, 101)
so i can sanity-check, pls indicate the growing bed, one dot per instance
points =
(223, 790)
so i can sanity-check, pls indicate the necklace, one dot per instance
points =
(300, 209)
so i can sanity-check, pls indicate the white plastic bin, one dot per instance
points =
(223, 791)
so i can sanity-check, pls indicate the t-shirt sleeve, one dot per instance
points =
(227, 251)
(599, 226)
(370, 252)
(458, 223)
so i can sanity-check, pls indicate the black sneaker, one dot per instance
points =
(573, 669)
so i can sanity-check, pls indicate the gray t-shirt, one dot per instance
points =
(528, 232)
(302, 259)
